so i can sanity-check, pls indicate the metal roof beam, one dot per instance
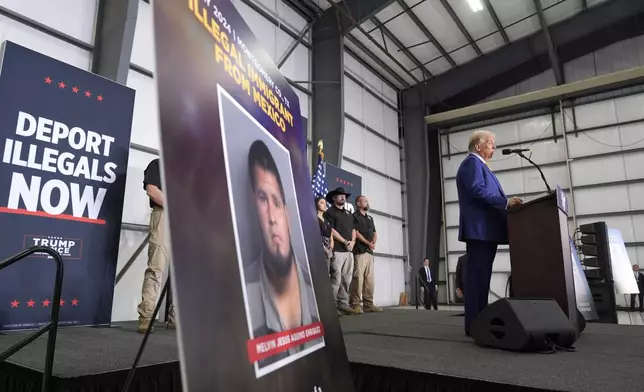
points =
(357, 12)
(377, 60)
(461, 27)
(343, 11)
(426, 32)
(114, 38)
(547, 96)
(302, 10)
(401, 47)
(557, 69)
(584, 33)
(497, 22)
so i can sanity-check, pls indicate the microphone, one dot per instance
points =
(519, 152)
(507, 151)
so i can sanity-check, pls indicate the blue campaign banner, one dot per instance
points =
(352, 183)
(251, 284)
(65, 137)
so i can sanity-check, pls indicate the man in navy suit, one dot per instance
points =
(482, 223)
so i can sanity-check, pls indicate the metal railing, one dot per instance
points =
(52, 325)
(132, 259)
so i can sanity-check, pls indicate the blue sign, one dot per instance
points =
(65, 137)
(562, 200)
(337, 177)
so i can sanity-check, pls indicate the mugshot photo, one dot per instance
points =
(276, 278)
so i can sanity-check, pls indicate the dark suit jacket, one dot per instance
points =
(423, 276)
(461, 272)
(640, 282)
(482, 203)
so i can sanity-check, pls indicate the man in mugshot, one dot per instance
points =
(280, 293)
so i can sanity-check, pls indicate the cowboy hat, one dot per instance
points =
(335, 192)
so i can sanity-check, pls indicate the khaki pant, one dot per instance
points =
(362, 283)
(343, 263)
(158, 263)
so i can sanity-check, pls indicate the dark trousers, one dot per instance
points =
(477, 282)
(641, 295)
(430, 296)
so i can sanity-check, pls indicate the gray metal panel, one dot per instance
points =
(370, 68)
(377, 60)
(328, 97)
(114, 38)
(45, 29)
(417, 181)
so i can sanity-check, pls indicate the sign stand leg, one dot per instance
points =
(139, 354)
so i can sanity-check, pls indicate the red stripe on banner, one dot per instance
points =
(46, 215)
(269, 345)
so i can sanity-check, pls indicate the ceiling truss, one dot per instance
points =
(403, 66)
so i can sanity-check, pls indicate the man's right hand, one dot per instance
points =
(459, 293)
(514, 201)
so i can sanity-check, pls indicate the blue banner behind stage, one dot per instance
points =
(352, 183)
(65, 137)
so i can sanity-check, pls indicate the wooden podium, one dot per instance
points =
(540, 252)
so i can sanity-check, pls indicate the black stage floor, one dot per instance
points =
(426, 346)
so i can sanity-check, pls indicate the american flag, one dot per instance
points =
(318, 183)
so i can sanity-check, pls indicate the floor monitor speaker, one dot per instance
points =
(520, 324)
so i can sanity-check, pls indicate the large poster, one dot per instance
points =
(254, 301)
(65, 137)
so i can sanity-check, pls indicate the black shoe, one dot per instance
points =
(468, 334)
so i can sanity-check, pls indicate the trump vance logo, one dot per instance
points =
(69, 248)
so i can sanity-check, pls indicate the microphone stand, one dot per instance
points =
(519, 153)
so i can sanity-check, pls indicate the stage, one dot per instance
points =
(397, 350)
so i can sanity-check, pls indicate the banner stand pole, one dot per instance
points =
(139, 354)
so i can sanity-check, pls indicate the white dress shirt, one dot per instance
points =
(479, 157)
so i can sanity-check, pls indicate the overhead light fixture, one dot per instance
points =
(476, 5)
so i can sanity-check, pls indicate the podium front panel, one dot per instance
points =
(540, 254)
